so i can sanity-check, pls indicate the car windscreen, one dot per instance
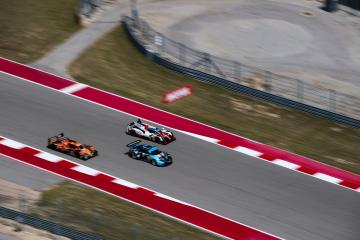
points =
(154, 130)
(155, 152)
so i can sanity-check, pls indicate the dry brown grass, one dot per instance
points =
(30, 28)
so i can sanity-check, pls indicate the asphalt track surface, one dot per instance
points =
(24, 175)
(271, 198)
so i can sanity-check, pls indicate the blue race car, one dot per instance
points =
(148, 154)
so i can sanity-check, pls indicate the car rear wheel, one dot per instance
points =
(134, 156)
(161, 140)
(51, 146)
(153, 163)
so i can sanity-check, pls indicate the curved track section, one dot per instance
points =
(237, 186)
(128, 191)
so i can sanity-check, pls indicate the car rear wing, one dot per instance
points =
(51, 139)
(134, 143)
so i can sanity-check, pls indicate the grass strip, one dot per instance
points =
(30, 28)
(115, 65)
(109, 217)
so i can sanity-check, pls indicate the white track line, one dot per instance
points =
(48, 157)
(12, 143)
(170, 198)
(327, 178)
(208, 139)
(86, 170)
(125, 183)
(248, 151)
(286, 164)
(73, 88)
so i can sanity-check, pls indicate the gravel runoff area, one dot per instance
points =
(292, 38)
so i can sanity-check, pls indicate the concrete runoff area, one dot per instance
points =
(273, 199)
(291, 38)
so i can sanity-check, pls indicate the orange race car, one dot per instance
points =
(71, 147)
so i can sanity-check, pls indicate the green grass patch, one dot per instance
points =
(109, 217)
(113, 64)
(30, 28)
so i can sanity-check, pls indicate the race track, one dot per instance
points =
(282, 202)
(24, 175)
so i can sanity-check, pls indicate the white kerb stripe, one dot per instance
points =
(125, 183)
(12, 144)
(48, 157)
(286, 164)
(86, 170)
(73, 88)
(248, 151)
(208, 139)
(358, 189)
(327, 178)
(170, 198)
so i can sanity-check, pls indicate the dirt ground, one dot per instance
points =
(19, 198)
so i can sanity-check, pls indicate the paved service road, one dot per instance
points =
(276, 200)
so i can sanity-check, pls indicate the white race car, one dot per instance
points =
(143, 130)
